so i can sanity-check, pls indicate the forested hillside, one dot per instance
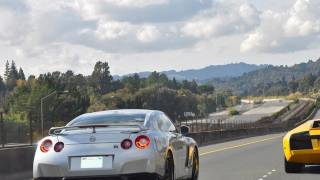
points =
(77, 94)
(274, 80)
(209, 72)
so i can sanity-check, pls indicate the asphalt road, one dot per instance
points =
(258, 158)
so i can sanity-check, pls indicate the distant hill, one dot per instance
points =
(209, 72)
(272, 79)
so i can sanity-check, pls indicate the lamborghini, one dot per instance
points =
(302, 146)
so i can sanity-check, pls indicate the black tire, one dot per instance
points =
(169, 169)
(292, 167)
(195, 166)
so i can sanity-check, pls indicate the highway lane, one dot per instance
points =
(257, 158)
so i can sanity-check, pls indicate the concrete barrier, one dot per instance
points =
(16, 163)
(212, 137)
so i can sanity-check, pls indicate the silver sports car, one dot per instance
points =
(118, 144)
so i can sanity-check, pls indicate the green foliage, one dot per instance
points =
(74, 94)
(274, 80)
(100, 78)
(233, 112)
(21, 74)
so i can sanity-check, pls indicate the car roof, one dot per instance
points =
(304, 127)
(121, 111)
(147, 112)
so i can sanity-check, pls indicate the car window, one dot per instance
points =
(165, 124)
(152, 122)
(108, 119)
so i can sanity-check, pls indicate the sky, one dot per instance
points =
(146, 35)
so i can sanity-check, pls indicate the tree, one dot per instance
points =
(132, 82)
(153, 78)
(6, 71)
(206, 89)
(306, 83)
(21, 74)
(174, 84)
(2, 92)
(2, 86)
(13, 76)
(100, 78)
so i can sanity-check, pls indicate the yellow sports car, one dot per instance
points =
(302, 146)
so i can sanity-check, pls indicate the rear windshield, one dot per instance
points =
(109, 119)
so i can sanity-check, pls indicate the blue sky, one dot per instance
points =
(140, 35)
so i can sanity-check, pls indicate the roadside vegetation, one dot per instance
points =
(275, 80)
(76, 94)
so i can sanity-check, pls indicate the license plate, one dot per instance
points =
(91, 162)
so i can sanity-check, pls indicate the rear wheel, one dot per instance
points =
(169, 171)
(292, 167)
(195, 166)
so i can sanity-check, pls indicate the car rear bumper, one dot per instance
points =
(137, 176)
(125, 162)
(309, 156)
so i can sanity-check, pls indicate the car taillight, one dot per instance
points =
(58, 146)
(300, 141)
(126, 144)
(46, 145)
(142, 142)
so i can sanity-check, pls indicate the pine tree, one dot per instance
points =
(13, 70)
(21, 74)
(101, 78)
(2, 86)
(7, 71)
(13, 76)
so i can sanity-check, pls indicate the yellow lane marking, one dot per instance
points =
(238, 146)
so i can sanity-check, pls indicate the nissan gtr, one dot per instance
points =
(302, 146)
(117, 144)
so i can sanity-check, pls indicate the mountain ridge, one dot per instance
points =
(206, 73)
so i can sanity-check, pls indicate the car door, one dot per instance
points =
(177, 143)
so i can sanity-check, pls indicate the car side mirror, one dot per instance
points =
(184, 130)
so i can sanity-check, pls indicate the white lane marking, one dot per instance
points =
(238, 146)
(266, 175)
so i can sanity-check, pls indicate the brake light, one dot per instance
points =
(300, 141)
(126, 144)
(46, 145)
(142, 142)
(58, 146)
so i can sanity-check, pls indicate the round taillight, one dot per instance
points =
(46, 145)
(58, 146)
(126, 144)
(142, 142)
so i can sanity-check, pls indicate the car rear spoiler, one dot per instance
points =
(57, 130)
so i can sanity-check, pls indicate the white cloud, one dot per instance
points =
(223, 21)
(148, 34)
(112, 30)
(54, 31)
(137, 3)
(292, 30)
(12, 26)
